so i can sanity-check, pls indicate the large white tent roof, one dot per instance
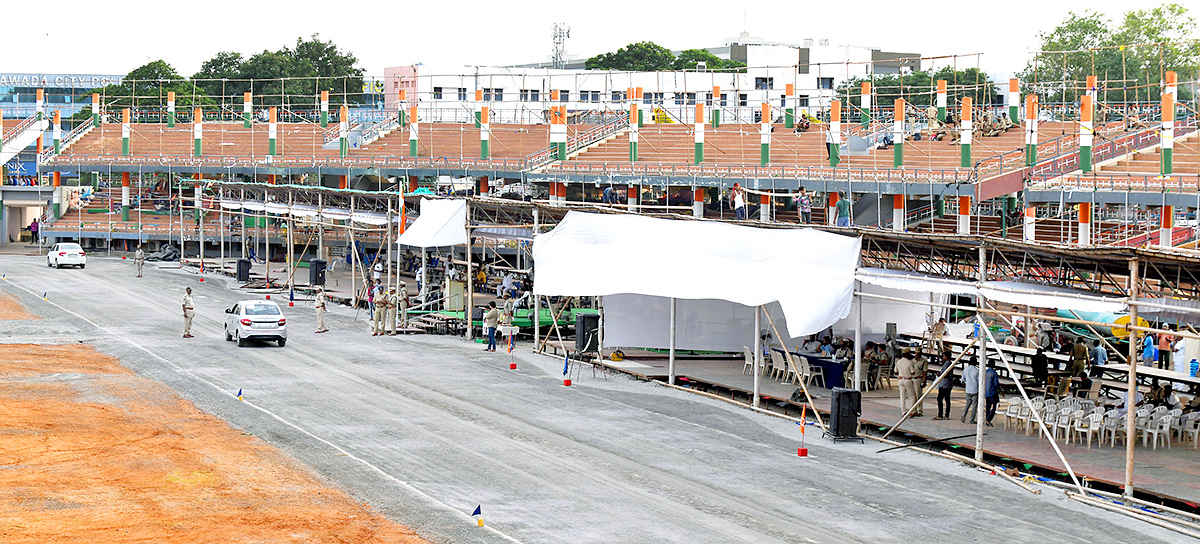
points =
(441, 223)
(809, 272)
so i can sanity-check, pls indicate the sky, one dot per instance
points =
(468, 32)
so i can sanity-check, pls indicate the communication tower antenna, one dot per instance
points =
(561, 33)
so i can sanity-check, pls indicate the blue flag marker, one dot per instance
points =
(478, 511)
(239, 393)
(566, 364)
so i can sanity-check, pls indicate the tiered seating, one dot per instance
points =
(1185, 159)
(461, 140)
(220, 139)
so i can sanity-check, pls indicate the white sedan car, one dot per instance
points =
(66, 254)
(255, 320)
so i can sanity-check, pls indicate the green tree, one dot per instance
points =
(145, 91)
(219, 70)
(688, 59)
(1129, 58)
(920, 88)
(635, 57)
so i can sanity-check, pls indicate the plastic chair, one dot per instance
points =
(1013, 414)
(1061, 421)
(778, 369)
(1092, 424)
(1160, 427)
(748, 366)
(1191, 426)
(811, 371)
(1026, 417)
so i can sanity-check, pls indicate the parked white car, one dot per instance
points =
(66, 254)
(255, 320)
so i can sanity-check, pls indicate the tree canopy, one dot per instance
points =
(919, 88)
(651, 57)
(1131, 57)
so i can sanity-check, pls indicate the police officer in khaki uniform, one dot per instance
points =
(381, 309)
(139, 258)
(390, 319)
(189, 311)
(319, 304)
(402, 302)
(906, 368)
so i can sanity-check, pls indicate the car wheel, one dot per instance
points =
(81, 266)
(282, 341)
(58, 265)
(228, 337)
(241, 341)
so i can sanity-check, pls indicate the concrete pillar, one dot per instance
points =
(764, 208)
(413, 183)
(483, 185)
(831, 212)
(789, 110)
(401, 113)
(478, 108)
(413, 131)
(834, 138)
(864, 116)
(343, 131)
(272, 131)
(247, 109)
(1031, 129)
(96, 109)
(125, 132)
(40, 104)
(898, 212)
(698, 203)
(1086, 131)
(324, 109)
(1085, 222)
(485, 133)
(57, 196)
(898, 135)
(343, 182)
(1014, 100)
(56, 139)
(764, 135)
(634, 123)
(1167, 134)
(1030, 224)
(699, 133)
(716, 109)
(1167, 223)
(124, 196)
(558, 128)
(966, 130)
(942, 100)
(170, 109)
(632, 198)
(964, 215)
(198, 132)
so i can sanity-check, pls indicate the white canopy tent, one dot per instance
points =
(809, 273)
(441, 223)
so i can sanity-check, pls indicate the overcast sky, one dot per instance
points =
(55, 38)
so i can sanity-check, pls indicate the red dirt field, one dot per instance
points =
(90, 452)
(11, 308)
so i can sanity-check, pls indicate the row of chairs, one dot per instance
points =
(778, 369)
(1076, 418)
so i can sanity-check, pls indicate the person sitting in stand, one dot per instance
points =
(812, 345)
(936, 332)
(845, 351)
(827, 347)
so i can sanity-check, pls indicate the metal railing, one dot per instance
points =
(578, 141)
(20, 128)
(228, 161)
(380, 127)
(894, 175)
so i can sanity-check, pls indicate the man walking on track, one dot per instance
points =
(320, 306)
(189, 311)
(139, 258)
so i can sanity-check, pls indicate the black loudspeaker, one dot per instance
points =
(316, 271)
(477, 313)
(843, 413)
(587, 333)
(243, 270)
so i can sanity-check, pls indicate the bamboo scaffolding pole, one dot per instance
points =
(945, 370)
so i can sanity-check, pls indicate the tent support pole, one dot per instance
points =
(792, 364)
(467, 312)
(945, 370)
(858, 347)
(537, 300)
(1131, 390)
(980, 401)
(758, 362)
(671, 353)
(320, 229)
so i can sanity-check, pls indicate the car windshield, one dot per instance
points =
(262, 309)
(69, 247)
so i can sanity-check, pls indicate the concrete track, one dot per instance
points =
(426, 428)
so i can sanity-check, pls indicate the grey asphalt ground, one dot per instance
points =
(425, 428)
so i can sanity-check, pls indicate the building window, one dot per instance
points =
(493, 95)
(659, 97)
(530, 95)
(462, 94)
(742, 99)
(648, 98)
(437, 93)
(564, 96)
(677, 98)
(691, 99)
(764, 83)
(724, 99)
(824, 83)
(618, 96)
(707, 99)
(595, 96)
